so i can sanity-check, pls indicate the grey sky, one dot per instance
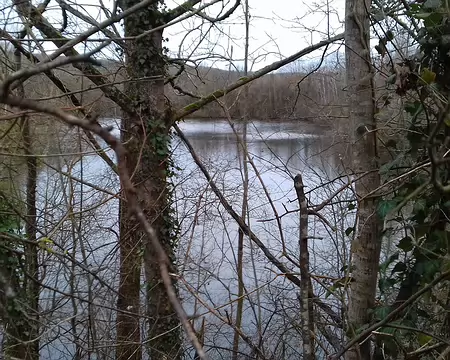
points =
(278, 28)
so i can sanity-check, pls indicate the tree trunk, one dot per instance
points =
(365, 248)
(306, 297)
(31, 280)
(241, 235)
(146, 136)
(22, 316)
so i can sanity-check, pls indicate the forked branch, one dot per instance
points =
(130, 195)
(306, 304)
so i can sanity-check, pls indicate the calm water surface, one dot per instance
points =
(207, 251)
(278, 151)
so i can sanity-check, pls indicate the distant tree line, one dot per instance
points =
(280, 96)
(277, 96)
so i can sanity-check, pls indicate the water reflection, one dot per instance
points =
(207, 251)
(278, 152)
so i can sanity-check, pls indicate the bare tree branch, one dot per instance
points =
(63, 88)
(88, 70)
(92, 22)
(227, 14)
(363, 334)
(42, 67)
(192, 108)
(180, 10)
(246, 229)
(131, 197)
(85, 35)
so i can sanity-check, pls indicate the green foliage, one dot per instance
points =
(9, 221)
(11, 262)
(386, 206)
(160, 141)
(419, 175)
(406, 244)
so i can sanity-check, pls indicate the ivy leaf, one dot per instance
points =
(386, 284)
(419, 205)
(385, 207)
(423, 339)
(427, 76)
(432, 4)
(384, 169)
(413, 107)
(433, 20)
(423, 314)
(399, 267)
(389, 261)
(381, 312)
(406, 244)
(447, 121)
(422, 15)
(427, 269)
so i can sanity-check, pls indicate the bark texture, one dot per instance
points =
(242, 146)
(365, 247)
(145, 133)
(21, 311)
(306, 300)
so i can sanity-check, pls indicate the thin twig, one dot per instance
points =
(391, 315)
(131, 197)
(191, 108)
(246, 229)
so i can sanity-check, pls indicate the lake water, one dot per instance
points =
(279, 152)
(82, 221)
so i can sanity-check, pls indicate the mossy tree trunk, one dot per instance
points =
(146, 135)
(20, 304)
(366, 245)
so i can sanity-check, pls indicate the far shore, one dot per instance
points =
(319, 122)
